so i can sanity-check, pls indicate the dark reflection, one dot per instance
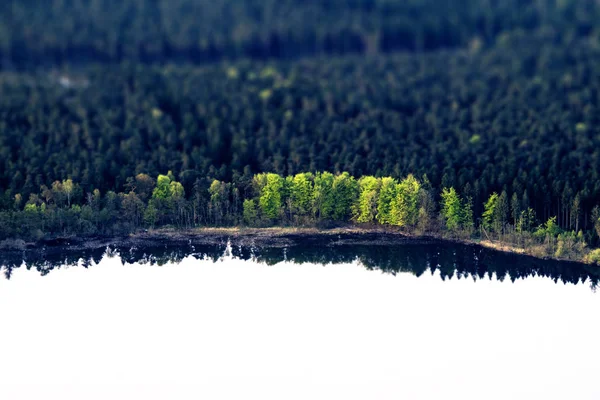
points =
(450, 260)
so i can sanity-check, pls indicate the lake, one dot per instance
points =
(304, 322)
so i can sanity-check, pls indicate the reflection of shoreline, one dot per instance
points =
(389, 252)
(261, 237)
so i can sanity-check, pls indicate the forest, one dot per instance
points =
(494, 101)
(36, 33)
(322, 199)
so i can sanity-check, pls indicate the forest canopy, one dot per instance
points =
(481, 97)
(525, 122)
(59, 32)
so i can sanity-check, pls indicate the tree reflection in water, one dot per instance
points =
(450, 260)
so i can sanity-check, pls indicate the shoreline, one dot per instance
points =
(273, 237)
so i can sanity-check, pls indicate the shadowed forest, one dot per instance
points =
(495, 102)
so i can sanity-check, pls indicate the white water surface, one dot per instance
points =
(241, 330)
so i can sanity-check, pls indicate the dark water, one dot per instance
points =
(304, 322)
(447, 260)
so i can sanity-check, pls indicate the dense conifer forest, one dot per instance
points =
(78, 31)
(493, 102)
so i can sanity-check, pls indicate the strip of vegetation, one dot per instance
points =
(305, 199)
(519, 118)
(58, 32)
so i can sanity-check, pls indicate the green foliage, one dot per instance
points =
(266, 94)
(67, 187)
(163, 188)
(250, 212)
(502, 212)
(192, 30)
(366, 208)
(550, 229)
(133, 209)
(405, 208)
(168, 188)
(515, 208)
(596, 219)
(151, 215)
(323, 196)
(593, 257)
(219, 201)
(490, 213)
(142, 185)
(31, 208)
(104, 131)
(177, 191)
(302, 193)
(475, 139)
(468, 221)
(526, 220)
(345, 191)
(271, 196)
(456, 213)
(452, 209)
(387, 198)
(426, 207)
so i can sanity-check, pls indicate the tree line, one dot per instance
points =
(63, 32)
(521, 118)
(304, 199)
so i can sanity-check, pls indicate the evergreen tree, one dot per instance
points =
(515, 208)
(452, 209)
(526, 220)
(502, 212)
(490, 213)
(576, 213)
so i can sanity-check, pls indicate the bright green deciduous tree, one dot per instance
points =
(271, 195)
(31, 208)
(345, 194)
(387, 197)
(177, 191)
(219, 201)
(405, 209)
(550, 228)
(301, 193)
(163, 188)
(68, 190)
(366, 208)
(168, 188)
(323, 199)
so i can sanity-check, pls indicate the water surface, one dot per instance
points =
(364, 322)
